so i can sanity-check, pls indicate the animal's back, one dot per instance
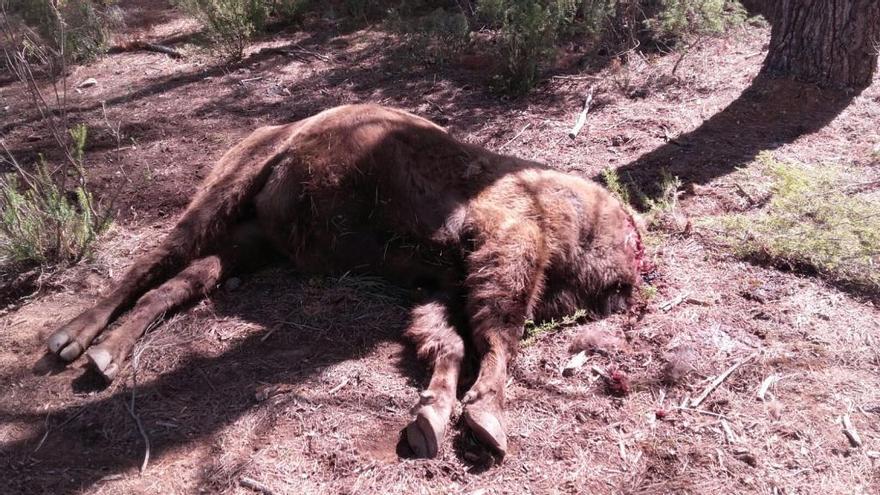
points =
(365, 167)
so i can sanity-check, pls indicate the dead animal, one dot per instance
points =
(494, 238)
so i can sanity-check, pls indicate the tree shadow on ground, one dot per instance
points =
(768, 114)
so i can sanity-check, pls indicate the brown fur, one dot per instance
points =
(376, 189)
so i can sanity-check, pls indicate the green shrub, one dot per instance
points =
(41, 220)
(528, 31)
(657, 209)
(230, 24)
(532, 330)
(811, 223)
(437, 36)
(678, 19)
(291, 10)
(79, 28)
(662, 210)
(614, 185)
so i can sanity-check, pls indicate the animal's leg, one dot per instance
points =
(195, 281)
(505, 277)
(234, 180)
(438, 343)
(72, 339)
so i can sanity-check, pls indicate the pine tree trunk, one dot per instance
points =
(832, 43)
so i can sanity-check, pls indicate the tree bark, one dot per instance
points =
(832, 43)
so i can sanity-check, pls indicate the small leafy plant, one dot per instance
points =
(42, 221)
(533, 331)
(813, 222)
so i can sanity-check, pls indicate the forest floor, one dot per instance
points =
(304, 384)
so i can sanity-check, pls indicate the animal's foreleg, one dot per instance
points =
(505, 277)
(438, 343)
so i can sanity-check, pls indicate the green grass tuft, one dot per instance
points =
(533, 331)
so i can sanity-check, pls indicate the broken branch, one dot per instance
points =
(675, 301)
(150, 47)
(765, 386)
(718, 381)
(518, 134)
(850, 431)
(575, 363)
(255, 485)
(337, 388)
(582, 117)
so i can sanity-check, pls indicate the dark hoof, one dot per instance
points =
(487, 427)
(425, 433)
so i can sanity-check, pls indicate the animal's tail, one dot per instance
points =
(233, 182)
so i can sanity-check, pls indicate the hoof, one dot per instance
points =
(71, 351)
(57, 341)
(103, 362)
(487, 427)
(425, 433)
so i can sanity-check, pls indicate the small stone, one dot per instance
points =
(575, 363)
(88, 83)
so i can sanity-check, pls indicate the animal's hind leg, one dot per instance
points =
(195, 281)
(69, 341)
(438, 343)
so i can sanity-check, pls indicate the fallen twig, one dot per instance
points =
(130, 406)
(296, 52)
(702, 411)
(319, 56)
(582, 117)
(850, 431)
(728, 432)
(150, 47)
(742, 191)
(578, 78)
(167, 50)
(337, 388)
(765, 386)
(675, 301)
(863, 187)
(718, 381)
(575, 363)
(518, 134)
(255, 485)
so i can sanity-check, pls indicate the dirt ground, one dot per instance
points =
(303, 385)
